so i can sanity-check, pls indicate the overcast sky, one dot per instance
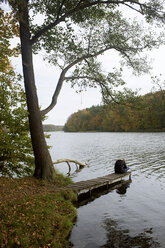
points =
(69, 102)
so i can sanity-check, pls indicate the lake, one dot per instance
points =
(131, 216)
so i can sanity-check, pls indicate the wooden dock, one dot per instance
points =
(86, 187)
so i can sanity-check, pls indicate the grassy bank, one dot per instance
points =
(34, 213)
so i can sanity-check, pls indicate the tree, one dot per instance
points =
(57, 36)
(16, 155)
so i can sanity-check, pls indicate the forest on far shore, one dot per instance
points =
(51, 128)
(144, 113)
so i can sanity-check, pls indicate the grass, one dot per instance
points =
(34, 213)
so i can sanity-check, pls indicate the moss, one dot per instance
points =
(41, 217)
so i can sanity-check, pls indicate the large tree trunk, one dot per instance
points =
(43, 162)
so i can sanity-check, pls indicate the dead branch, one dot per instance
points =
(68, 161)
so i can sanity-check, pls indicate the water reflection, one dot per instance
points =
(123, 188)
(120, 187)
(120, 238)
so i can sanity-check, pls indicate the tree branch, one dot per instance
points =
(131, 7)
(78, 8)
(103, 87)
(101, 84)
(58, 12)
(58, 87)
(68, 161)
(62, 78)
(55, 95)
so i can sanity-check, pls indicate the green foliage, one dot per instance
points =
(142, 113)
(74, 34)
(74, 45)
(16, 157)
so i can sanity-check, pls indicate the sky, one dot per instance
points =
(69, 101)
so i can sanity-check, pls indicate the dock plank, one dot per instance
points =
(96, 183)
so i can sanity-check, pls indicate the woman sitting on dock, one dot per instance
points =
(120, 166)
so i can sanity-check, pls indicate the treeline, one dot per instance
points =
(52, 128)
(144, 113)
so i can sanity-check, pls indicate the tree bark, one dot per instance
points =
(43, 162)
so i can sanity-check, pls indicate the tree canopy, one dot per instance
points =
(74, 33)
(83, 32)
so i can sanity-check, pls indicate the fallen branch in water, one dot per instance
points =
(68, 161)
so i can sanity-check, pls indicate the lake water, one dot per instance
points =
(131, 216)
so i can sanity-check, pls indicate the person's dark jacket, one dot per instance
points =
(120, 166)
